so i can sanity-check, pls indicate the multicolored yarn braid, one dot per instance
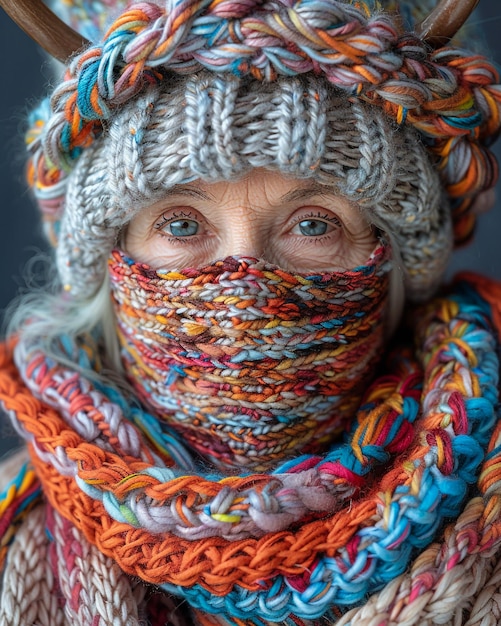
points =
(88, 17)
(248, 363)
(15, 501)
(450, 96)
(431, 453)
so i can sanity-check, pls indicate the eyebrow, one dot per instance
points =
(190, 192)
(304, 193)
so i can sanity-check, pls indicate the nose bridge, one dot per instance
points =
(245, 234)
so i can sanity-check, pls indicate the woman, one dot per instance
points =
(224, 424)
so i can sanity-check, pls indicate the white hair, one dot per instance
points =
(44, 314)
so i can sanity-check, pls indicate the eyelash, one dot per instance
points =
(318, 216)
(173, 218)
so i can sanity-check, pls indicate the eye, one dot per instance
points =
(312, 228)
(182, 228)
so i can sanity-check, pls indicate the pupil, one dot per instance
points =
(312, 227)
(183, 228)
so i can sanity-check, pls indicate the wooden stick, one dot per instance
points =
(61, 41)
(42, 25)
(440, 26)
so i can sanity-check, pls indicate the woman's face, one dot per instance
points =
(295, 224)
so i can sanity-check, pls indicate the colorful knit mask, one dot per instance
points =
(249, 363)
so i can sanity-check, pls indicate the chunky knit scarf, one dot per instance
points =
(251, 364)
(407, 507)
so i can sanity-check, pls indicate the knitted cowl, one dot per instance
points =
(250, 364)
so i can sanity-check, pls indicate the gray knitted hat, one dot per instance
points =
(213, 129)
(162, 102)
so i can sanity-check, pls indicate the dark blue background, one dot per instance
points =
(26, 72)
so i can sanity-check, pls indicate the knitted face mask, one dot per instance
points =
(249, 363)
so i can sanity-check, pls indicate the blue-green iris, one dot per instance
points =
(312, 228)
(183, 228)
